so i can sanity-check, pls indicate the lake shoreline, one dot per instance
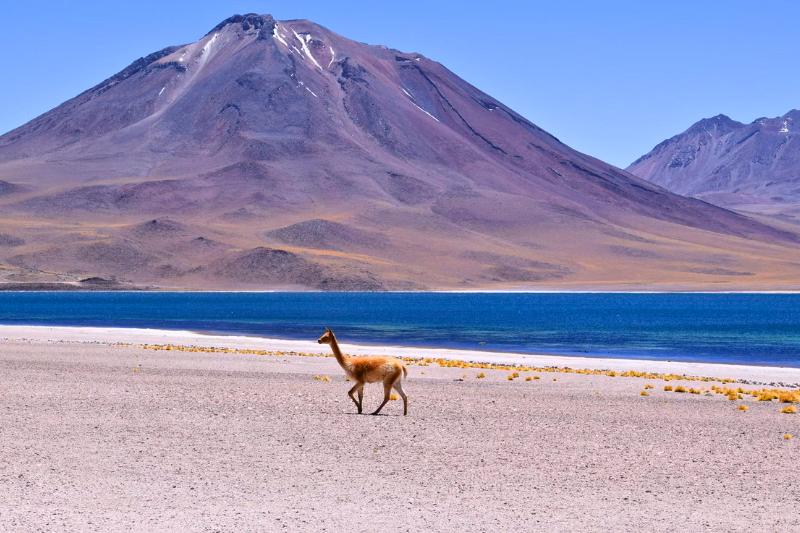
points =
(45, 287)
(783, 375)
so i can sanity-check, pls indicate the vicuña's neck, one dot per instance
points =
(340, 358)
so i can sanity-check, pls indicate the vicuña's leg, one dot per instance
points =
(360, 397)
(398, 386)
(387, 391)
(350, 393)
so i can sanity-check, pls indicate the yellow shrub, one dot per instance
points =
(789, 410)
(787, 436)
(788, 397)
(667, 388)
(394, 396)
(680, 388)
(766, 396)
(743, 408)
(481, 375)
(324, 379)
(648, 386)
(644, 393)
(529, 378)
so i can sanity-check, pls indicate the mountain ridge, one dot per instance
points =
(751, 167)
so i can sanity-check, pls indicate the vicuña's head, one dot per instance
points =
(327, 337)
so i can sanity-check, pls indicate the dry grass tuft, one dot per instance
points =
(787, 436)
(743, 408)
(445, 363)
(324, 379)
(529, 378)
(789, 410)
(644, 393)
(788, 397)
(394, 396)
(762, 395)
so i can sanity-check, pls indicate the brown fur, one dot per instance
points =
(363, 370)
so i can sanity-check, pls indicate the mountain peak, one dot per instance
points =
(793, 114)
(751, 167)
(247, 21)
(720, 122)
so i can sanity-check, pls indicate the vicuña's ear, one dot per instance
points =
(327, 329)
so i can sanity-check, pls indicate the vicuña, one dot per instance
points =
(369, 370)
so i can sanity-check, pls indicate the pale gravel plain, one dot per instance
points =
(96, 437)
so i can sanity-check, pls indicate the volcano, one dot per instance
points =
(278, 154)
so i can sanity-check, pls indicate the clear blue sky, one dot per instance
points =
(610, 78)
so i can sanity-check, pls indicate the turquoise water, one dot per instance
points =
(759, 329)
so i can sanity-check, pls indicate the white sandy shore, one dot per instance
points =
(766, 374)
(107, 437)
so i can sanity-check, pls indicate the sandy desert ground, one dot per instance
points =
(96, 437)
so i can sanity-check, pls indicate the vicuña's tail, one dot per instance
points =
(405, 372)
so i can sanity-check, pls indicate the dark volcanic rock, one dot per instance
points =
(10, 240)
(327, 234)
(8, 188)
(247, 21)
(407, 189)
(160, 228)
(270, 266)
(264, 266)
(96, 281)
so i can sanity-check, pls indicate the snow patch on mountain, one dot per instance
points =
(306, 50)
(277, 35)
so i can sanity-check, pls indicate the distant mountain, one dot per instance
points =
(278, 154)
(752, 167)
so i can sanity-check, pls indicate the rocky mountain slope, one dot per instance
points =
(278, 154)
(752, 167)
